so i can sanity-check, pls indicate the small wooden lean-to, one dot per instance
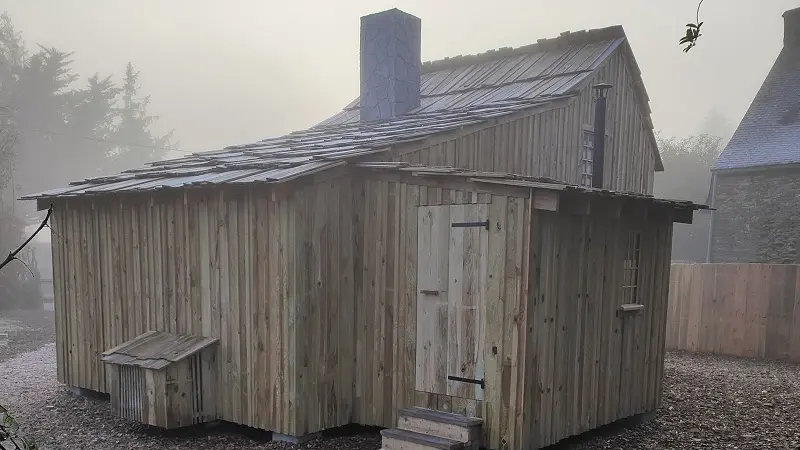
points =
(164, 379)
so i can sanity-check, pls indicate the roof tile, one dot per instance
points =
(769, 134)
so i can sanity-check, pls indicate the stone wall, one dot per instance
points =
(390, 64)
(758, 217)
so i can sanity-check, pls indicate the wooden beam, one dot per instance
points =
(450, 182)
(545, 200)
(683, 215)
(521, 183)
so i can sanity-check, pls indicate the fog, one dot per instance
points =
(222, 73)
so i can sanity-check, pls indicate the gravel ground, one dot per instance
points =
(714, 402)
(709, 402)
(27, 331)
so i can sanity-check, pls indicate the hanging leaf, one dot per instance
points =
(692, 32)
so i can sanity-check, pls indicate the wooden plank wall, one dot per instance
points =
(549, 144)
(386, 294)
(587, 367)
(200, 262)
(304, 347)
(750, 310)
(326, 318)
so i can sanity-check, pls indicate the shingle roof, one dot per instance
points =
(288, 157)
(551, 67)
(156, 349)
(769, 133)
(457, 92)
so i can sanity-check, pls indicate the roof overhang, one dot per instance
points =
(750, 169)
(157, 349)
(552, 195)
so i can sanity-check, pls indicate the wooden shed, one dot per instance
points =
(163, 379)
(347, 295)
(432, 259)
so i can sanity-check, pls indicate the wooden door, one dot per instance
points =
(452, 270)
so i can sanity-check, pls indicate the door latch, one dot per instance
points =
(481, 382)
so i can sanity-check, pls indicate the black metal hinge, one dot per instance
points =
(470, 224)
(480, 382)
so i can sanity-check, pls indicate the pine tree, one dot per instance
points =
(90, 122)
(41, 103)
(136, 143)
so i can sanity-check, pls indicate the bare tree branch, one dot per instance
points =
(13, 255)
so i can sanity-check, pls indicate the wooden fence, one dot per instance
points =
(750, 310)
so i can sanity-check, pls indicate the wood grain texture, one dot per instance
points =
(579, 352)
(549, 143)
(315, 295)
(750, 310)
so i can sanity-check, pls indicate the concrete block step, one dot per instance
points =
(397, 439)
(441, 424)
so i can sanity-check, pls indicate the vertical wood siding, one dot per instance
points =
(549, 144)
(313, 297)
(587, 367)
(749, 310)
(204, 263)
(386, 302)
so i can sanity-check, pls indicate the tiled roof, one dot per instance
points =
(769, 133)
(288, 157)
(551, 67)
(156, 349)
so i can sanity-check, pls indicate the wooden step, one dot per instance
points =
(397, 439)
(441, 424)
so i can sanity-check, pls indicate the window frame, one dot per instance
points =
(585, 178)
(631, 267)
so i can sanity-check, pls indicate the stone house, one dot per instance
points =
(756, 180)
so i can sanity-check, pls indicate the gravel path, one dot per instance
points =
(709, 403)
(59, 420)
(713, 402)
(27, 331)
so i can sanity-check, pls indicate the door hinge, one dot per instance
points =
(470, 224)
(480, 382)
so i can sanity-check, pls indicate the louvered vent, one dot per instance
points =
(133, 392)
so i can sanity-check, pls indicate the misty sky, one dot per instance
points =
(231, 72)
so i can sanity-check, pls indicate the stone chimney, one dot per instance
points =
(390, 64)
(791, 29)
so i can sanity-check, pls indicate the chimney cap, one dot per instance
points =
(791, 29)
(790, 12)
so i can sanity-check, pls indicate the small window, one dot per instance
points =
(587, 158)
(630, 287)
